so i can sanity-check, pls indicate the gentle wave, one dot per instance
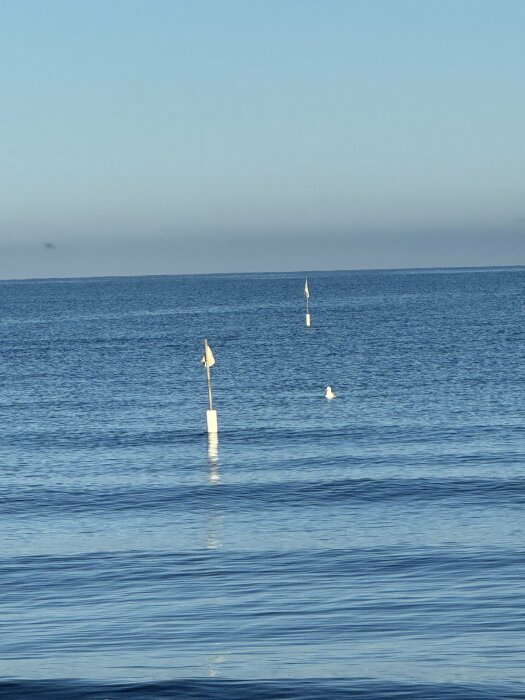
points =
(291, 435)
(292, 494)
(213, 689)
(69, 571)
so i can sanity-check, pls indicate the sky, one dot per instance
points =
(168, 137)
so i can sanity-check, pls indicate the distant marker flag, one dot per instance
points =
(207, 359)
(307, 295)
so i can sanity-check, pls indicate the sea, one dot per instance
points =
(368, 546)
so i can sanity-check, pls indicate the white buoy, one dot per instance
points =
(307, 295)
(211, 420)
(211, 415)
(329, 394)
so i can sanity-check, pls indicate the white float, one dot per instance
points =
(211, 415)
(211, 421)
(307, 295)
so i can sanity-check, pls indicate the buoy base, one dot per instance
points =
(308, 320)
(211, 421)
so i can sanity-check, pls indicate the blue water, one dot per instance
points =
(372, 546)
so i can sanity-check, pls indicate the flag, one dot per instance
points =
(208, 359)
(306, 292)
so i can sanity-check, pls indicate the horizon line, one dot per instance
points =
(266, 272)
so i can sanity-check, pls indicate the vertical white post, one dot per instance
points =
(211, 415)
(307, 295)
(208, 376)
(211, 422)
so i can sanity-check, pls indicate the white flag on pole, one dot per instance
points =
(306, 292)
(208, 360)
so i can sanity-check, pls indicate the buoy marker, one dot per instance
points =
(211, 415)
(307, 295)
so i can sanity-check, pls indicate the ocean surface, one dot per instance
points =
(372, 546)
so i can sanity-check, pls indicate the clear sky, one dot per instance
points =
(173, 136)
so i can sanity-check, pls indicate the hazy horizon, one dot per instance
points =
(262, 271)
(172, 137)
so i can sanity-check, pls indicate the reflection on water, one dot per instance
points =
(213, 458)
(213, 540)
(213, 667)
(213, 534)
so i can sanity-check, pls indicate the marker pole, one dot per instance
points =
(211, 415)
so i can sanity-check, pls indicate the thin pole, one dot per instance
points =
(306, 295)
(207, 372)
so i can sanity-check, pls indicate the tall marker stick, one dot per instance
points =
(211, 415)
(207, 364)
(307, 295)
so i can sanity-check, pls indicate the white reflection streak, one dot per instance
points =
(213, 540)
(213, 458)
(213, 669)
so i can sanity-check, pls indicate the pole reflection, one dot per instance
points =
(214, 518)
(213, 537)
(213, 459)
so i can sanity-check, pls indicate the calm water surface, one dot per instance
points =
(372, 546)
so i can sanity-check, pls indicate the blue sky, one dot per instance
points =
(145, 137)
